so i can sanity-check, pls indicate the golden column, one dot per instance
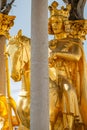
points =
(6, 22)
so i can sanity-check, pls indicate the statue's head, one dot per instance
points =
(57, 24)
(19, 51)
(57, 19)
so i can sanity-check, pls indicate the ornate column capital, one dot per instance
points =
(6, 22)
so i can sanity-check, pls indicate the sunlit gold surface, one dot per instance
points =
(67, 67)
(11, 105)
(6, 22)
(67, 71)
(7, 121)
(70, 28)
(4, 122)
(63, 66)
(19, 46)
(66, 81)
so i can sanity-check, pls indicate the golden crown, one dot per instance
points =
(63, 12)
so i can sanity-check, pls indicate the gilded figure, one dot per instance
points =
(67, 67)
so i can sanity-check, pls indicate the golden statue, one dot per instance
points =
(67, 68)
(19, 51)
(67, 72)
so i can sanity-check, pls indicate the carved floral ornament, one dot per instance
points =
(6, 22)
(70, 28)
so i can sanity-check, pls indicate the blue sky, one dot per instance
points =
(22, 10)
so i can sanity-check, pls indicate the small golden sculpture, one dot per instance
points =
(7, 120)
(19, 46)
(6, 22)
(4, 122)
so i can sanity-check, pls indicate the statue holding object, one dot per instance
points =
(67, 61)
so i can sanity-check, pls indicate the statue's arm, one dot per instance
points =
(69, 56)
(74, 54)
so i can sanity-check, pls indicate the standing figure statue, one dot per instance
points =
(67, 62)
